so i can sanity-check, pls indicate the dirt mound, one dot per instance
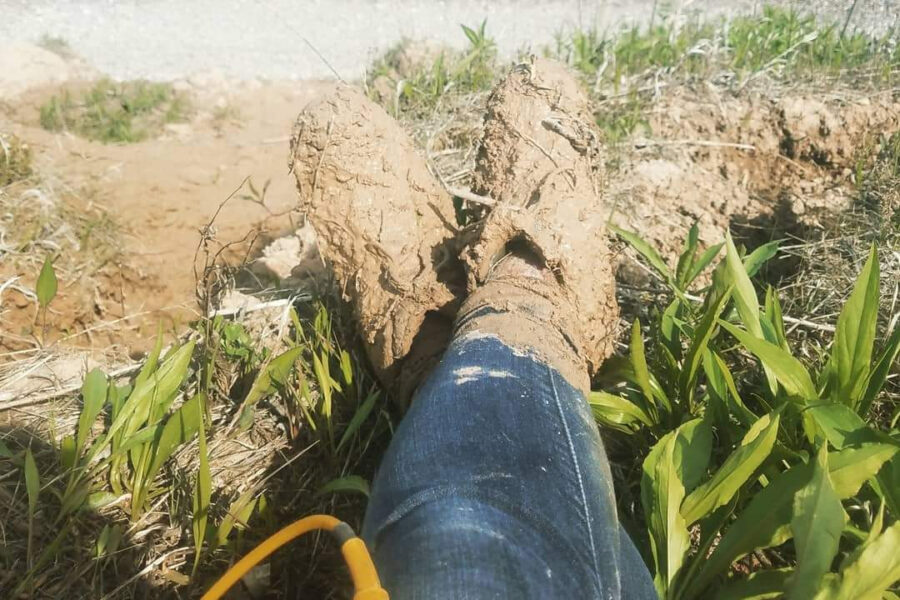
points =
(541, 162)
(766, 166)
(383, 222)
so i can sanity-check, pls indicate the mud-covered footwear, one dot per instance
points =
(385, 226)
(541, 162)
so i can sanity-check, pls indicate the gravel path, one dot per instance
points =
(245, 39)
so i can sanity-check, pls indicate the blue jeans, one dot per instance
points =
(496, 485)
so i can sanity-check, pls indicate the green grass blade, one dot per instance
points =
(617, 412)
(774, 316)
(178, 430)
(744, 293)
(202, 494)
(735, 471)
(93, 392)
(639, 363)
(350, 483)
(238, 514)
(764, 522)
(275, 372)
(320, 367)
(686, 259)
(817, 524)
(359, 417)
(889, 484)
(646, 250)
(760, 256)
(704, 261)
(32, 482)
(32, 490)
(789, 371)
(854, 338)
(161, 384)
(702, 335)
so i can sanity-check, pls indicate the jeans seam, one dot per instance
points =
(574, 457)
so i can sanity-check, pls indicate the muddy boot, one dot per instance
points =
(540, 161)
(385, 226)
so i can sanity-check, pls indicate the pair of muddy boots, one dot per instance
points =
(537, 269)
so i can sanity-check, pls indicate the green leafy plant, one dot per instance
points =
(781, 455)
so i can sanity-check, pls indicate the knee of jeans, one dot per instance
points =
(456, 548)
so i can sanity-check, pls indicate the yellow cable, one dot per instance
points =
(362, 570)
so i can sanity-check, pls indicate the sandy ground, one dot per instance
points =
(245, 39)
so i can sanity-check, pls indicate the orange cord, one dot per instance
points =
(362, 570)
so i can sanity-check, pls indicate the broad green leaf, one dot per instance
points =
(841, 426)
(774, 316)
(817, 524)
(350, 483)
(760, 256)
(852, 467)
(46, 284)
(875, 570)
(759, 585)
(880, 370)
(764, 522)
(93, 392)
(32, 482)
(789, 371)
(735, 471)
(359, 417)
(178, 430)
(616, 411)
(692, 451)
(662, 492)
(201, 497)
(851, 353)
(743, 291)
(646, 250)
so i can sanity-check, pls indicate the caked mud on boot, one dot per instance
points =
(385, 226)
(541, 162)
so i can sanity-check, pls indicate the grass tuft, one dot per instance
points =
(15, 160)
(112, 112)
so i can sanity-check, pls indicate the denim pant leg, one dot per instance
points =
(496, 485)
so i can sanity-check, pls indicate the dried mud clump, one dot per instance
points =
(540, 161)
(384, 225)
